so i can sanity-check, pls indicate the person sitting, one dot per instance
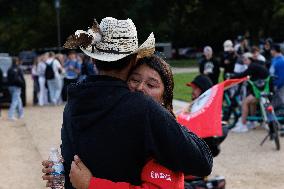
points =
(199, 85)
(256, 71)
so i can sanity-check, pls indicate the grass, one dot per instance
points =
(181, 91)
(183, 63)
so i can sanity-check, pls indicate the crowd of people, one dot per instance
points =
(240, 60)
(52, 73)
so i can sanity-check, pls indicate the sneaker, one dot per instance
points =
(252, 124)
(240, 128)
(21, 116)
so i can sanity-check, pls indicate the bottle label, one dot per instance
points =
(58, 169)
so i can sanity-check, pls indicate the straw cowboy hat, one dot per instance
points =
(111, 40)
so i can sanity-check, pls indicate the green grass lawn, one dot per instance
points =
(183, 63)
(181, 91)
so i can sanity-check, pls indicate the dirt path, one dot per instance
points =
(244, 163)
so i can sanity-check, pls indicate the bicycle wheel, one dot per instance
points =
(275, 134)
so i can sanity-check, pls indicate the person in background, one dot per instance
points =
(266, 52)
(277, 69)
(209, 65)
(199, 85)
(87, 67)
(61, 58)
(229, 58)
(35, 78)
(242, 46)
(257, 57)
(41, 66)
(15, 81)
(72, 69)
(256, 72)
(54, 82)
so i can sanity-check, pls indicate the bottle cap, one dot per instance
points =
(53, 149)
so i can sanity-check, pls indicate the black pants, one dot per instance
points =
(36, 90)
(65, 85)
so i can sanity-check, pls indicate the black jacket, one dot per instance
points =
(210, 68)
(232, 58)
(255, 70)
(15, 76)
(116, 131)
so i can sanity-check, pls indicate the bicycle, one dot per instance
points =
(267, 116)
(231, 108)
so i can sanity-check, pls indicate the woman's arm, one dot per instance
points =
(153, 176)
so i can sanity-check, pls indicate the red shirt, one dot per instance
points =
(153, 176)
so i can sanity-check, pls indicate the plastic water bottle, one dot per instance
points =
(59, 179)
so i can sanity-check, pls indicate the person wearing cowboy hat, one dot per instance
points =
(114, 131)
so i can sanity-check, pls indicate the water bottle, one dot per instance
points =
(59, 179)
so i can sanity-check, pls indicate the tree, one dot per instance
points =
(32, 23)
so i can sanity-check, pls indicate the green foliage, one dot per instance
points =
(32, 23)
(181, 91)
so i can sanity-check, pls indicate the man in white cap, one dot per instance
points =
(229, 58)
(114, 131)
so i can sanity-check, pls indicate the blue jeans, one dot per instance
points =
(54, 87)
(16, 103)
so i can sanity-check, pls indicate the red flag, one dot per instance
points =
(205, 115)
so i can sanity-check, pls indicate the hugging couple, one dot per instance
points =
(119, 130)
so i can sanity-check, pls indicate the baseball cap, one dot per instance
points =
(247, 55)
(228, 45)
(201, 81)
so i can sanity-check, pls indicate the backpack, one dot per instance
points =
(49, 72)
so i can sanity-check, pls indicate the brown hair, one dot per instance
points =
(164, 70)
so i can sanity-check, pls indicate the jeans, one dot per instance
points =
(42, 96)
(16, 104)
(54, 87)
(278, 98)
